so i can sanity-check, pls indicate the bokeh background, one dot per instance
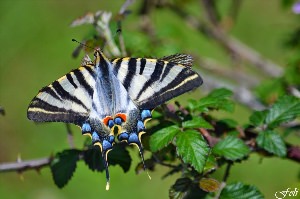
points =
(36, 49)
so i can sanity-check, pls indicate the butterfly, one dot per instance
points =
(121, 93)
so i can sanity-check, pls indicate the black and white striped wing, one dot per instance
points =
(68, 99)
(151, 82)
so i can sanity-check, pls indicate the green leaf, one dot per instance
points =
(93, 159)
(271, 142)
(163, 137)
(258, 117)
(285, 109)
(118, 156)
(185, 188)
(239, 190)
(192, 148)
(231, 148)
(217, 99)
(210, 164)
(179, 189)
(197, 122)
(63, 166)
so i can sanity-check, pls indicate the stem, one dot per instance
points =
(21, 166)
(70, 136)
(226, 174)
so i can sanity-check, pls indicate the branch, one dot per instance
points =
(2, 111)
(241, 94)
(70, 136)
(220, 70)
(231, 44)
(21, 166)
(122, 14)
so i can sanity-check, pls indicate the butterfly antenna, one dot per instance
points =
(82, 44)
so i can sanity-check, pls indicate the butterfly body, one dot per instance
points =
(107, 94)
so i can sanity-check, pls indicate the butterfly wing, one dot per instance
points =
(68, 99)
(151, 82)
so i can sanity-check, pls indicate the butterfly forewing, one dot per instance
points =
(68, 99)
(151, 82)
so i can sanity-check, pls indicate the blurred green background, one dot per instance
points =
(36, 48)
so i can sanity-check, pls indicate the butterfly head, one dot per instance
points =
(100, 57)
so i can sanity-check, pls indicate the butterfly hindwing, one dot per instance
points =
(151, 82)
(68, 99)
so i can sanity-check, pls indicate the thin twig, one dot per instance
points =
(226, 174)
(122, 15)
(158, 161)
(70, 136)
(2, 111)
(242, 94)
(21, 166)
(211, 11)
(233, 45)
(216, 68)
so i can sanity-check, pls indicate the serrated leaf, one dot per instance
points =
(217, 99)
(180, 188)
(63, 166)
(192, 104)
(210, 164)
(258, 117)
(285, 109)
(118, 156)
(92, 158)
(193, 149)
(239, 190)
(185, 188)
(163, 137)
(231, 148)
(197, 122)
(271, 142)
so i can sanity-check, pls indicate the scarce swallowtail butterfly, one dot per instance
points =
(121, 93)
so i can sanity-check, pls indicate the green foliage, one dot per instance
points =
(197, 122)
(192, 148)
(217, 99)
(240, 191)
(118, 156)
(285, 109)
(163, 137)
(258, 117)
(271, 142)
(201, 142)
(231, 148)
(63, 166)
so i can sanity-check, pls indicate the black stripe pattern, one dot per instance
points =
(171, 76)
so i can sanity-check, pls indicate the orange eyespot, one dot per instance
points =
(122, 116)
(106, 119)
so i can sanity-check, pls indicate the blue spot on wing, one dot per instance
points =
(146, 114)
